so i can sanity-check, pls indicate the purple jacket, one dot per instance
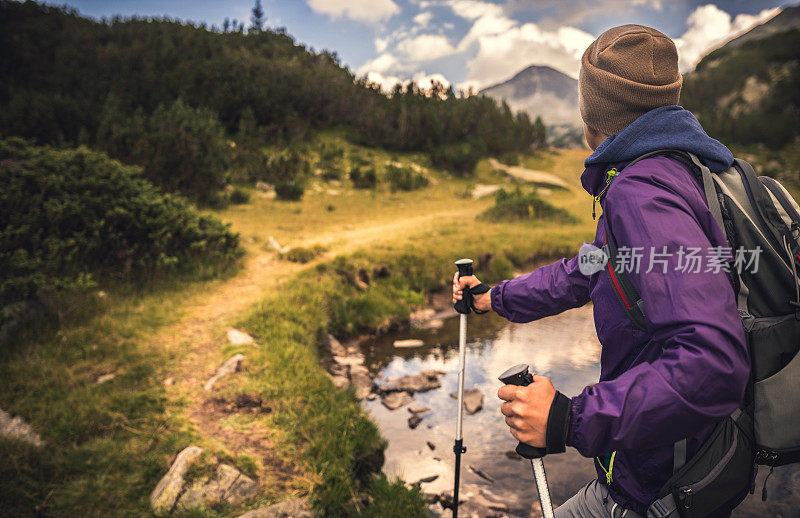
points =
(689, 370)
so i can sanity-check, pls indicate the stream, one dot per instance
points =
(564, 348)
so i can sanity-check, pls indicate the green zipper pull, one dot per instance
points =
(610, 175)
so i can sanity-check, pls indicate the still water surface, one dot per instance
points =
(564, 348)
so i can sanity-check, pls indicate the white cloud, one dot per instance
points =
(381, 44)
(426, 47)
(423, 18)
(386, 82)
(709, 26)
(426, 80)
(362, 10)
(381, 64)
(505, 46)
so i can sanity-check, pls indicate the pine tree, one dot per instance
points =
(257, 18)
(226, 25)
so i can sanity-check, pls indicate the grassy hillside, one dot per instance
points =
(748, 96)
(122, 85)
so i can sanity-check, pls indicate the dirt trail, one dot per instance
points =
(197, 339)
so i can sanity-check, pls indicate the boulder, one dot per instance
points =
(169, 488)
(395, 400)
(295, 508)
(227, 485)
(236, 337)
(227, 368)
(414, 421)
(17, 428)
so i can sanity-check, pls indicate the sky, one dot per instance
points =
(469, 44)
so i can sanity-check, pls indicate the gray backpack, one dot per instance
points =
(756, 213)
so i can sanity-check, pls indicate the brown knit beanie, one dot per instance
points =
(626, 72)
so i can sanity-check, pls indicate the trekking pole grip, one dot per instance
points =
(520, 375)
(464, 270)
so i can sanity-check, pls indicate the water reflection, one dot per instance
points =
(564, 348)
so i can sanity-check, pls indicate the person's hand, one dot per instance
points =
(526, 409)
(482, 302)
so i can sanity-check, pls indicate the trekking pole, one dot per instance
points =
(463, 307)
(521, 376)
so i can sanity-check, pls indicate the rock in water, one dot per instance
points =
(169, 488)
(422, 382)
(418, 409)
(414, 421)
(236, 337)
(227, 368)
(295, 508)
(430, 445)
(408, 344)
(473, 400)
(395, 400)
(17, 428)
(481, 474)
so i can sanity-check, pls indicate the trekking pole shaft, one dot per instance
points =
(539, 475)
(458, 449)
(462, 353)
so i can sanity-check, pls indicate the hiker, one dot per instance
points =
(688, 369)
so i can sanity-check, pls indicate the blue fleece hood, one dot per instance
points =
(666, 127)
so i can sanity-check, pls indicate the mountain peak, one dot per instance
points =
(540, 90)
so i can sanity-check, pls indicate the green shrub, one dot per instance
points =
(460, 159)
(182, 149)
(239, 196)
(287, 167)
(289, 191)
(517, 205)
(72, 217)
(303, 254)
(363, 177)
(405, 178)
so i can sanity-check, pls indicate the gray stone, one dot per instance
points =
(362, 383)
(339, 381)
(473, 400)
(295, 508)
(422, 382)
(227, 368)
(169, 488)
(17, 428)
(418, 409)
(227, 485)
(355, 359)
(395, 400)
(236, 337)
(105, 377)
(481, 474)
(335, 346)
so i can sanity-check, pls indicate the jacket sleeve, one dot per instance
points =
(692, 318)
(546, 291)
